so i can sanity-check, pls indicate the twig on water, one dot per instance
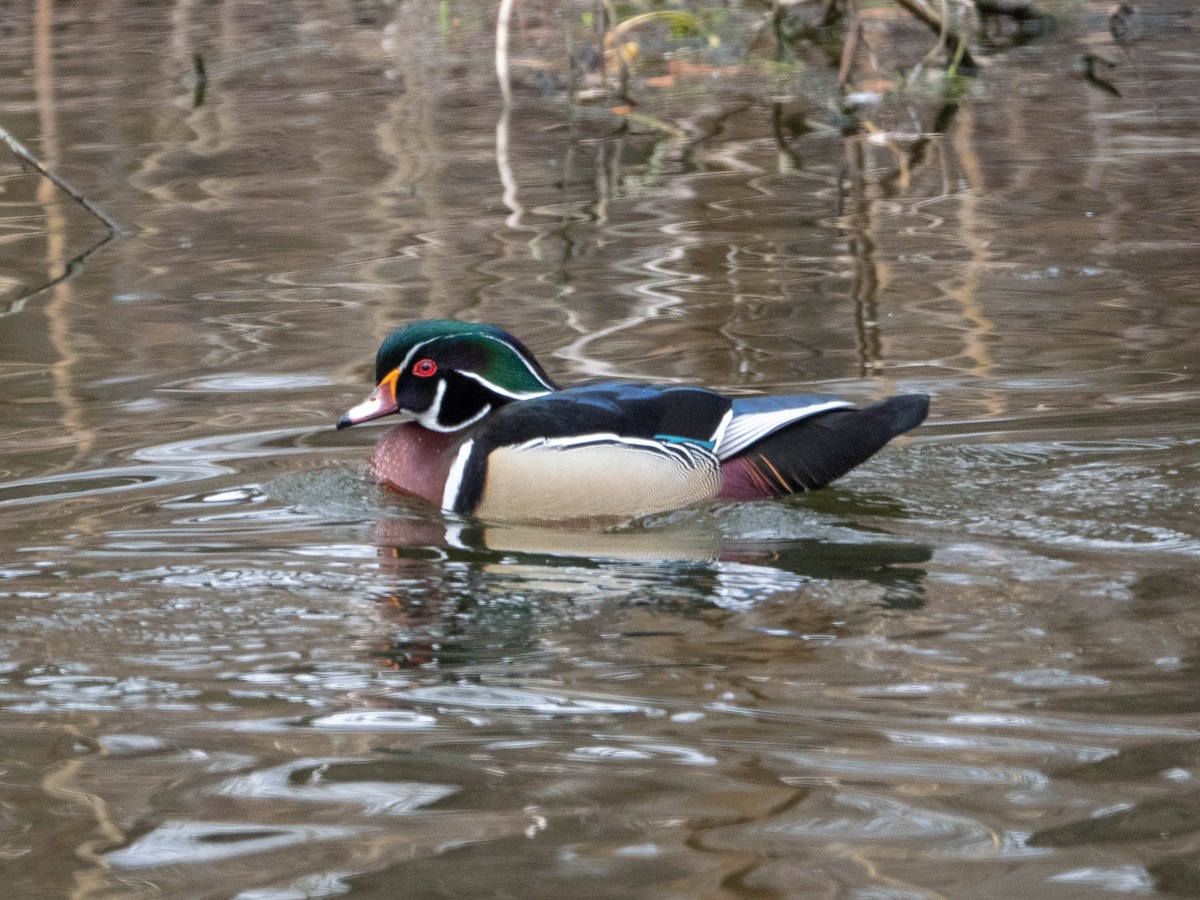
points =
(22, 153)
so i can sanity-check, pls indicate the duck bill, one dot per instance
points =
(382, 402)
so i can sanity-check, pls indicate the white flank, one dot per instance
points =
(594, 476)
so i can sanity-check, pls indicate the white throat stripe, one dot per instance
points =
(455, 477)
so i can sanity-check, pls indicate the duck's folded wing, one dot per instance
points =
(811, 450)
(756, 417)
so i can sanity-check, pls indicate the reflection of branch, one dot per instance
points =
(781, 141)
(864, 283)
(1014, 9)
(610, 26)
(502, 72)
(1091, 77)
(22, 153)
(939, 27)
(908, 149)
(850, 48)
(504, 167)
(199, 80)
(70, 270)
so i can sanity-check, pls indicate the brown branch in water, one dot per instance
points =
(1091, 76)
(941, 28)
(22, 153)
(850, 48)
(830, 14)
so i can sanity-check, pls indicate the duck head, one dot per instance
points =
(449, 375)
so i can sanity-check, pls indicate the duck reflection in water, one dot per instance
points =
(486, 435)
(469, 593)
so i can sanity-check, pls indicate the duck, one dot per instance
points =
(484, 432)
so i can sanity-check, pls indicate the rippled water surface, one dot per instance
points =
(232, 666)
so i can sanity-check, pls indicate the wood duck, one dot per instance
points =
(485, 432)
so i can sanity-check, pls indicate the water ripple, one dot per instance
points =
(307, 780)
(865, 769)
(179, 842)
(687, 756)
(374, 720)
(870, 818)
(470, 696)
(109, 480)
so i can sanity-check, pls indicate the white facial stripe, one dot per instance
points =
(504, 392)
(411, 353)
(487, 408)
(429, 417)
(524, 361)
(455, 477)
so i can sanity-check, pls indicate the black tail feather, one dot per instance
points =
(814, 451)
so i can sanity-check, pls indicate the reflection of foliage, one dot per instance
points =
(791, 32)
(866, 52)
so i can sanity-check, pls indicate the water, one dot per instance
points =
(231, 666)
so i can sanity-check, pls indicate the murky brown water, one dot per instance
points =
(230, 666)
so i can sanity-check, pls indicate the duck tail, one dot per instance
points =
(814, 451)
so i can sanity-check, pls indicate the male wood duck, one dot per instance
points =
(485, 432)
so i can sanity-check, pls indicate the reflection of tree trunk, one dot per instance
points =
(57, 309)
(789, 159)
(409, 140)
(64, 782)
(503, 76)
(864, 284)
(951, 43)
(973, 234)
(58, 782)
(850, 47)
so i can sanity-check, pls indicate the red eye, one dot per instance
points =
(424, 368)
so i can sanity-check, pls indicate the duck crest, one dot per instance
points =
(487, 354)
(449, 376)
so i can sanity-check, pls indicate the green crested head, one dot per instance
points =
(486, 350)
(448, 375)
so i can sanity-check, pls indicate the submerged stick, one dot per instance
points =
(22, 153)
